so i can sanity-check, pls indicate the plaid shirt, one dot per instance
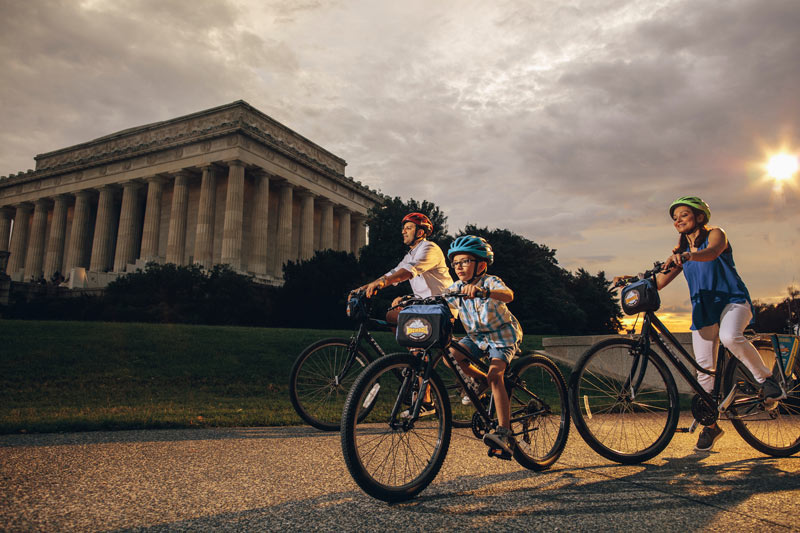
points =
(488, 322)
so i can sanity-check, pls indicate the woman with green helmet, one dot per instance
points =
(721, 306)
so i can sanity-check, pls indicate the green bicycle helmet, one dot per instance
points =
(694, 202)
(474, 245)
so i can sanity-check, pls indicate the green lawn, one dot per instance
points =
(72, 376)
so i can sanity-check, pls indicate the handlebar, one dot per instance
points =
(658, 268)
(439, 299)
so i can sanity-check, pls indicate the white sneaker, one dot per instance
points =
(479, 390)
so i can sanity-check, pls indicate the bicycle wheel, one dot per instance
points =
(461, 414)
(316, 394)
(773, 430)
(624, 424)
(389, 457)
(539, 412)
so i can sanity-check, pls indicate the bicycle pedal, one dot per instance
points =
(498, 453)
(690, 429)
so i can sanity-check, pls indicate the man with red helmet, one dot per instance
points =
(423, 266)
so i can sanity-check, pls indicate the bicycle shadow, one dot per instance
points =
(678, 494)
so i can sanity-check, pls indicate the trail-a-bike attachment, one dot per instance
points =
(397, 450)
(625, 403)
(324, 371)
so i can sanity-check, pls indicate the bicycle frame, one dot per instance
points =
(362, 334)
(485, 412)
(653, 330)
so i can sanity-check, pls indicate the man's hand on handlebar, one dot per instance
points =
(371, 288)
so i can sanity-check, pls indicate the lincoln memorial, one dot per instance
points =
(228, 185)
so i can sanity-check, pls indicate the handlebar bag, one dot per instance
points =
(424, 326)
(640, 296)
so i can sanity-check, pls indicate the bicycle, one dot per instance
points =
(324, 371)
(397, 449)
(625, 402)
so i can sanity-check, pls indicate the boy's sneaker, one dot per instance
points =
(499, 439)
(772, 390)
(708, 437)
(479, 390)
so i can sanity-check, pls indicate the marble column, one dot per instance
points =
(204, 236)
(76, 254)
(19, 239)
(58, 232)
(35, 256)
(306, 248)
(344, 230)
(101, 245)
(234, 216)
(128, 232)
(176, 238)
(326, 227)
(258, 256)
(283, 237)
(5, 227)
(360, 236)
(152, 219)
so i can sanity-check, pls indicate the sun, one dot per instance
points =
(782, 167)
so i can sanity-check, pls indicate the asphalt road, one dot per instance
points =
(294, 479)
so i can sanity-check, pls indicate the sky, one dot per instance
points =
(572, 123)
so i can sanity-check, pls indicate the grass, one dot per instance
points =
(76, 376)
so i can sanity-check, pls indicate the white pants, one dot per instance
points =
(732, 323)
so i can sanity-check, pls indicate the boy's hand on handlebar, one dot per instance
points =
(472, 291)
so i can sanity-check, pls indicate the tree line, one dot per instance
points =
(548, 298)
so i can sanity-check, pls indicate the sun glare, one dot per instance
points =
(675, 322)
(782, 167)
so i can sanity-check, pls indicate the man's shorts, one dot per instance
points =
(503, 353)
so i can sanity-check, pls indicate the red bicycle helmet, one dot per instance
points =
(421, 221)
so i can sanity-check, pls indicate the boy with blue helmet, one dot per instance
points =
(490, 326)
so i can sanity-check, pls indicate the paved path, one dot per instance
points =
(294, 479)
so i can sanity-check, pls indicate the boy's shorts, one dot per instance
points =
(503, 353)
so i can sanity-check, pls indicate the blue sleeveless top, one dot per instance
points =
(712, 286)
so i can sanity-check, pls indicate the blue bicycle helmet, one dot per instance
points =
(474, 245)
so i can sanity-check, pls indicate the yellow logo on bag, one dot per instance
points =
(632, 298)
(417, 329)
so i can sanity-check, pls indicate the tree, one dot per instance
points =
(315, 291)
(594, 296)
(548, 299)
(187, 294)
(782, 317)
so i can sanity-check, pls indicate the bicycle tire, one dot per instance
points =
(314, 394)
(619, 427)
(775, 431)
(539, 412)
(388, 461)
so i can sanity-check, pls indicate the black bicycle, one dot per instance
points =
(324, 371)
(625, 402)
(396, 432)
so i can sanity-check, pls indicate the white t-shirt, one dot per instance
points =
(426, 263)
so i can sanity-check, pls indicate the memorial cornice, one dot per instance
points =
(236, 118)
